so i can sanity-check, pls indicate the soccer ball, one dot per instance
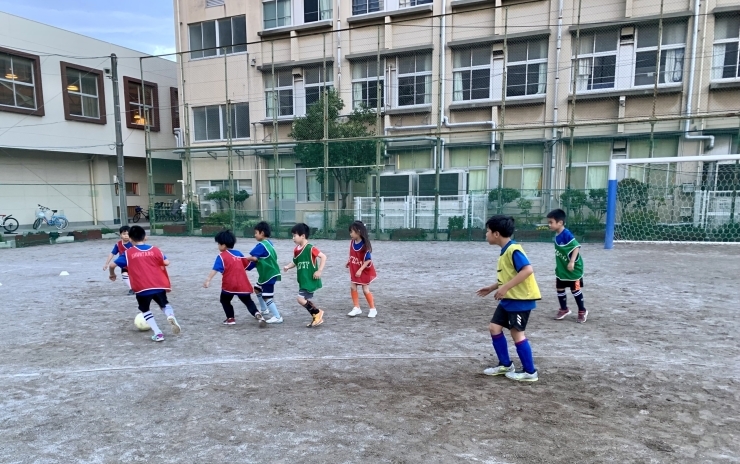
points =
(140, 323)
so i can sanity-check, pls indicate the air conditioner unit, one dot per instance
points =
(452, 182)
(392, 184)
(686, 211)
(203, 191)
(208, 207)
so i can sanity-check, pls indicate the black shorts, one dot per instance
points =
(146, 300)
(573, 285)
(516, 320)
(264, 290)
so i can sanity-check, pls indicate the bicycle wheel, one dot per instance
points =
(136, 217)
(36, 223)
(10, 225)
(62, 223)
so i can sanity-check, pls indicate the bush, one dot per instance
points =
(408, 234)
(344, 221)
(106, 230)
(455, 223)
(507, 195)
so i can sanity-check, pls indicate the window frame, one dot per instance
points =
(166, 185)
(37, 85)
(175, 108)
(134, 189)
(101, 119)
(416, 75)
(412, 3)
(222, 123)
(277, 20)
(220, 50)
(471, 68)
(367, 10)
(592, 164)
(365, 82)
(279, 89)
(521, 167)
(320, 84)
(663, 56)
(155, 127)
(731, 40)
(319, 12)
(593, 56)
(527, 63)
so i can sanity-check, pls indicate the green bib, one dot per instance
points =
(306, 266)
(268, 267)
(562, 258)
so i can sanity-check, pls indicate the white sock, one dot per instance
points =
(168, 311)
(149, 318)
(124, 276)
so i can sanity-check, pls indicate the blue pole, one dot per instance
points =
(611, 213)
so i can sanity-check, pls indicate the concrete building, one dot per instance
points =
(57, 130)
(462, 40)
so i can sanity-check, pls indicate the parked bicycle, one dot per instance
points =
(58, 220)
(10, 224)
(140, 213)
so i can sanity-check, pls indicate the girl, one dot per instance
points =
(361, 269)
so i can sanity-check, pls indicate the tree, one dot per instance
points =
(222, 197)
(308, 131)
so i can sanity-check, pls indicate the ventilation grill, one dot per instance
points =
(212, 3)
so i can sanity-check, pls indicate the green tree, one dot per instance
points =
(507, 195)
(222, 197)
(597, 202)
(308, 131)
(573, 202)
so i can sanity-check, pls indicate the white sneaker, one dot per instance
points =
(275, 320)
(522, 376)
(372, 313)
(355, 312)
(175, 326)
(499, 370)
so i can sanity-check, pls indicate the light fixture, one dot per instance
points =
(73, 88)
(11, 76)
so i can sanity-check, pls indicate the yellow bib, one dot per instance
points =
(527, 290)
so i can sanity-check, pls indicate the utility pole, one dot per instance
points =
(119, 141)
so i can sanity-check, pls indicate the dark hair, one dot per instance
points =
(361, 230)
(137, 233)
(504, 225)
(124, 229)
(225, 237)
(557, 214)
(301, 229)
(264, 228)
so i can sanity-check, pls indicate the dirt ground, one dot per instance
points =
(653, 376)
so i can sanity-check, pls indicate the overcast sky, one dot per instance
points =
(143, 25)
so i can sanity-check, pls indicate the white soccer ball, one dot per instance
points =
(140, 323)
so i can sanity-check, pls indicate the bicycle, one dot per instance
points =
(10, 224)
(140, 212)
(58, 220)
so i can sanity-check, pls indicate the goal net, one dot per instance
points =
(686, 199)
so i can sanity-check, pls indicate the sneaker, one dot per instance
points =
(230, 321)
(372, 313)
(582, 316)
(261, 320)
(175, 326)
(275, 320)
(499, 370)
(561, 314)
(158, 337)
(522, 376)
(318, 319)
(355, 312)
(131, 292)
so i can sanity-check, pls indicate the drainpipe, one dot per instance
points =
(93, 192)
(692, 69)
(554, 147)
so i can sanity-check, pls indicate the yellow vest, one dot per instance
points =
(527, 290)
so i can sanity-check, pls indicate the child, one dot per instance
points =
(305, 258)
(149, 279)
(264, 256)
(361, 269)
(517, 291)
(118, 249)
(233, 265)
(568, 266)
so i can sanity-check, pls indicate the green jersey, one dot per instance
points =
(565, 244)
(305, 262)
(267, 264)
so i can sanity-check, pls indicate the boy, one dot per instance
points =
(264, 256)
(118, 249)
(149, 279)
(568, 266)
(305, 256)
(517, 292)
(233, 265)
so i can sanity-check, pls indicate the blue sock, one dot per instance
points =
(525, 355)
(502, 350)
(578, 295)
(273, 308)
(563, 300)
(263, 306)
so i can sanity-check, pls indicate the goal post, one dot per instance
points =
(672, 199)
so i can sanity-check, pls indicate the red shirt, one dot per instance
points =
(356, 260)
(235, 278)
(146, 269)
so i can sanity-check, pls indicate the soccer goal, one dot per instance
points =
(681, 199)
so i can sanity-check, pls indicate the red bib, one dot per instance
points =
(356, 260)
(146, 269)
(235, 278)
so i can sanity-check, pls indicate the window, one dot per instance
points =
(83, 94)
(276, 13)
(415, 80)
(597, 60)
(20, 83)
(526, 68)
(142, 104)
(414, 159)
(472, 74)
(308, 187)
(523, 169)
(132, 188)
(224, 36)
(365, 84)
(279, 94)
(175, 108)
(726, 40)
(590, 165)
(408, 3)
(164, 189)
(366, 6)
(475, 161)
(316, 10)
(211, 123)
(239, 185)
(671, 54)
(314, 82)
(659, 177)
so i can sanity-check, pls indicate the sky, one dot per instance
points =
(143, 25)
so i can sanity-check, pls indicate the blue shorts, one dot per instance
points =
(265, 290)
